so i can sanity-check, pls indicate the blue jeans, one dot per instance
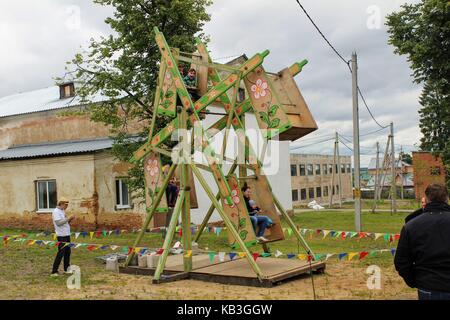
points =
(261, 222)
(433, 295)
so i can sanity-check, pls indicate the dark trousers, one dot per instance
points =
(62, 252)
(433, 295)
(261, 222)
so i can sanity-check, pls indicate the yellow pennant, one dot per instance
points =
(188, 254)
(302, 256)
(54, 236)
(31, 242)
(137, 250)
(377, 235)
(351, 255)
(241, 254)
(325, 233)
(91, 234)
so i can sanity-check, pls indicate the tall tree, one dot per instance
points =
(124, 66)
(422, 32)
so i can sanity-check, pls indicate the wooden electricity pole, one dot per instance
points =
(336, 146)
(393, 185)
(375, 193)
(356, 154)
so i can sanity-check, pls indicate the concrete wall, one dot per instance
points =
(322, 180)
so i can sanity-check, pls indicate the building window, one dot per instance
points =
(330, 168)
(310, 169)
(293, 170)
(294, 195)
(342, 168)
(319, 192)
(435, 171)
(122, 195)
(46, 195)
(303, 194)
(325, 169)
(317, 169)
(325, 191)
(302, 170)
(349, 168)
(311, 193)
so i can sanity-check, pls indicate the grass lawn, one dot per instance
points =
(383, 204)
(23, 266)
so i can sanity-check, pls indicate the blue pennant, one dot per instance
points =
(232, 255)
(290, 255)
(342, 255)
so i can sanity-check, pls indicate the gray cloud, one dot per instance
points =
(38, 37)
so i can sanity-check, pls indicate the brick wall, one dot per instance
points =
(428, 169)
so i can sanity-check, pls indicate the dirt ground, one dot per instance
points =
(342, 280)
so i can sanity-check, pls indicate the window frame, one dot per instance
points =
(313, 193)
(318, 169)
(319, 192)
(294, 166)
(304, 192)
(304, 170)
(325, 169)
(308, 167)
(295, 199)
(121, 206)
(45, 210)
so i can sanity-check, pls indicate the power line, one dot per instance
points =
(347, 62)
(368, 133)
(323, 36)
(312, 144)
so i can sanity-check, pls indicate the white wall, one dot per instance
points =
(277, 167)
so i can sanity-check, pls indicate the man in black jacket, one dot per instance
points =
(423, 254)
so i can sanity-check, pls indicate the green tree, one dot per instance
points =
(124, 66)
(422, 32)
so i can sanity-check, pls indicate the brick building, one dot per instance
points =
(427, 169)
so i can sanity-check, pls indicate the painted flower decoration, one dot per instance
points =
(259, 89)
(152, 167)
(235, 196)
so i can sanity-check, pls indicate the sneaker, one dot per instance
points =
(54, 275)
(68, 272)
(262, 239)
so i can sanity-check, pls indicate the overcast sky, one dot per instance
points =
(38, 37)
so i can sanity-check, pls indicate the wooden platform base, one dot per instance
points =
(236, 272)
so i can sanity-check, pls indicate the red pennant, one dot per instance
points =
(343, 235)
(130, 250)
(160, 251)
(390, 238)
(57, 244)
(396, 237)
(362, 235)
(362, 255)
(181, 232)
(309, 257)
(255, 256)
(318, 231)
(91, 247)
(98, 233)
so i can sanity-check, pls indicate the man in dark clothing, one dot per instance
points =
(423, 254)
(418, 212)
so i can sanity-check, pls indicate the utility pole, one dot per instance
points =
(333, 171)
(400, 159)
(336, 143)
(393, 186)
(375, 193)
(356, 156)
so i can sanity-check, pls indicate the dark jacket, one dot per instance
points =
(415, 214)
(423, 253)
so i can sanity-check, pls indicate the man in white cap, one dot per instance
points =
(62, 230)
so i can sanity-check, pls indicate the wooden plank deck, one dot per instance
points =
(236, 272)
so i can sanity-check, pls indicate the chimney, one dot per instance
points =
(66, 90)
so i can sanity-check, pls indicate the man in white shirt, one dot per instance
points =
(62, 230)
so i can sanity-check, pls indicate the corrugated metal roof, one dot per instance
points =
(56, 148)
(40, 100)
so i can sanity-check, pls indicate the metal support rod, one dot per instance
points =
(356, 153)
(393, 185)
(211, 208)
(228, 223)
(339, 171)
(384, 169)
(152, 210)
(293, 226)
(170, 234)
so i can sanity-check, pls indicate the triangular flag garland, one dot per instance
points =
(323, 233)
(232, 255)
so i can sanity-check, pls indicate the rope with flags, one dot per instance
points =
(322, 233)
(342, 256)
